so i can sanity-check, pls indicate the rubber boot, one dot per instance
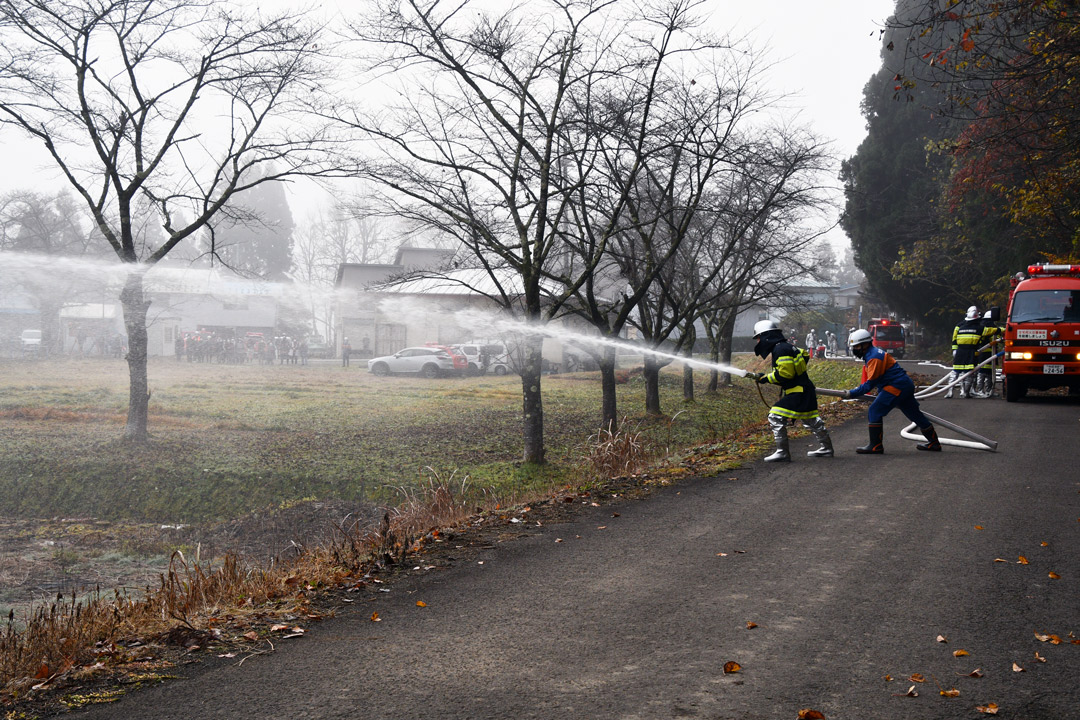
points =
(933, 444)
(965, 387)
(875, 447)
(952, 378)
(778, 425)
(821, 433)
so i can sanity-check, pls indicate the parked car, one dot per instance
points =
(429, 362)
(485, 358)
(30, 340)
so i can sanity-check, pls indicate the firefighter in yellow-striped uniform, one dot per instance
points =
(798, 400)
(966, 338)
(985, 376)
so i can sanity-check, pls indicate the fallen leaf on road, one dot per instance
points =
(942, 639)
(1054, 575)
(887, 678)
(602, 527)
(808, 714)
(278, 628)
(916, 677)
(989, 708)
(979, 527)
(252, 636)
(1017, 668)
(375, 617)
(731, 667)
(721, 554)
(960, 653)
(910, 693)
(750, 625)
(1052, 639)
(421, 603)
(1045, 544)
(1000, 560)
(950, 693)
(1022, 561)
(1039, 657)
(976, 673)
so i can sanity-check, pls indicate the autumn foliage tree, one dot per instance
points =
(1004, 74)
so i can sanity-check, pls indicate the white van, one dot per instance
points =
(30, 341)
(485, 358)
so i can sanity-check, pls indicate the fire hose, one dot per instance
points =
(976, 442)
(944, 384)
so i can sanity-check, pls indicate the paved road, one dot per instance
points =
(850, 567)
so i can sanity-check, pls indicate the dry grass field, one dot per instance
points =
(265, 460)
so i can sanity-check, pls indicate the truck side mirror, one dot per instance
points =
(995, 313)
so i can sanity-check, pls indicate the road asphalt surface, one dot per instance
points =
(850, 567)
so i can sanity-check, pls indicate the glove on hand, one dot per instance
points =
(846, 395)
(752, 375)
(762, 378)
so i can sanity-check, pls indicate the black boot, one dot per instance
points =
(932, 442)
(875, 447)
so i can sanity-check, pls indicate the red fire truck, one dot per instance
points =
(1042, 331)
(888, 335)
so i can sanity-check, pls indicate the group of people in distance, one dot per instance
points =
(798, 397)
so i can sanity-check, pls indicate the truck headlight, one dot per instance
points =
(1019, 356)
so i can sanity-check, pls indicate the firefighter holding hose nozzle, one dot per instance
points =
(895, 390)
(798, 400)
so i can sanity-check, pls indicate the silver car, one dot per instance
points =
(429, 362)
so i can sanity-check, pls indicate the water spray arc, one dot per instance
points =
(484, 322)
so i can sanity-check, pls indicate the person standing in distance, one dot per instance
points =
(895, 390)
(966, 339)
(798, 399)
(346, 351)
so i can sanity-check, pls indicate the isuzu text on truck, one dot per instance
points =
(1042, 331)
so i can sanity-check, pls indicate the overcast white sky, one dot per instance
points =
(825, 52)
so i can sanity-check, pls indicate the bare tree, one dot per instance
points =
(480, 144)
(349, 232)
(175, 102)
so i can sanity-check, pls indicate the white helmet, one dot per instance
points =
(764, 326)
(858, 338)
(972, 313)
(986, 315)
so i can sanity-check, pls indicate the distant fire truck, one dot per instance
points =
(1042, 331)
(888, 335)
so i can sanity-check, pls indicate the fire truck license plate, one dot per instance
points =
(1053, 369)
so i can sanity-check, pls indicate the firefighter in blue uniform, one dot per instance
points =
(894, 390)
(798, 399)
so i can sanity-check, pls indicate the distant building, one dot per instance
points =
(385, 308)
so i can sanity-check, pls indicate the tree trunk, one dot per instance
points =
(608, 418)
(688, 380)
(723, 346)
(135, 309)
(652, 385)
(714, 374)
(532, 404)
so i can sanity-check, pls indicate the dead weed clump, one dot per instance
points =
(614, 452)
(194, 601)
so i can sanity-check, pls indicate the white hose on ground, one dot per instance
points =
(934, 390)
(977, 442)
